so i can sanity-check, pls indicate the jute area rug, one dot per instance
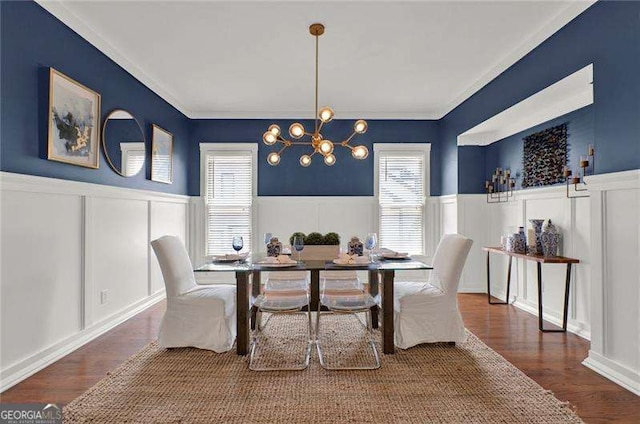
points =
(438, 383)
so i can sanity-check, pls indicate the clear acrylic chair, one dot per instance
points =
(283, 293)
(342, 292)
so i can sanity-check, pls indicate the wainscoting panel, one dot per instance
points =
(41, 271)
(615, 270)
(63, 243)
(621, 329)
(166, 218)
(120, 254)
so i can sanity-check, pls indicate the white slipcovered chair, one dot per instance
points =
(428, 312)
(197, 315)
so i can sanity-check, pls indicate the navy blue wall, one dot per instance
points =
(348, 177)
(32, 41)
(607, 35)
(507, 153)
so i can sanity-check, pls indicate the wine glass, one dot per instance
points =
(369, 243)
(298, 244)
(237, 244)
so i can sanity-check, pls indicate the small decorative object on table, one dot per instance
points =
(274, 247)
(516, 242)
(355, 246)
(550, 239)
(535, 244)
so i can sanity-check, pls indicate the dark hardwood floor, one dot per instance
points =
(551, 359)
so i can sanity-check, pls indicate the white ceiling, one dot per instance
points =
(383, 59)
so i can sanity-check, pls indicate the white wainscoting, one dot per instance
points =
(65, 242)
(615, 295)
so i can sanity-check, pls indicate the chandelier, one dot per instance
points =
(319, 144)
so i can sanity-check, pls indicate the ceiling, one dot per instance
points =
(383, 59)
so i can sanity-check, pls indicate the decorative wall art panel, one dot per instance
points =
(74, 122)
(544, 156)
(162, 155)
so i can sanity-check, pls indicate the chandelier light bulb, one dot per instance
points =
(329, 160)
(269, 138)
(360, 152)
(360, 126)
(305, 160)
(274, 129)
(326, 114)
(296, 130)
(326, 147)
(273, 158)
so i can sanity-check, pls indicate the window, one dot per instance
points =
(133, 155)
(402, 187)
(228, 195)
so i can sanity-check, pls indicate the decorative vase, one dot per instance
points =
(550, 239)
(536, 247)
(274, 247)
(356, 247)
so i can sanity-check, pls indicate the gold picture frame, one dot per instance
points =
(74, 122)
(161, 155)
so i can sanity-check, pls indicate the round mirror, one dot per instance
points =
(123, 143)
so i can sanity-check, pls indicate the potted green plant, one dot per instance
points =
(318, 246)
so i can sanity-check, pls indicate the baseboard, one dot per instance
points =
(574, 327)
(619, 374)
(31, 365)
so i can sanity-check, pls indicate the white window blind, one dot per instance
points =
(401, 197)
(133, 156)
(228, 200)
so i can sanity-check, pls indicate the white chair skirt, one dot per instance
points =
(423, 315)
(204, 317)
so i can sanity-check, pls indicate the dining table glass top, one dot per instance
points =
(254, 263)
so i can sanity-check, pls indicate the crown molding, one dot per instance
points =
(309, 115)
(554, 25)
(62, 13)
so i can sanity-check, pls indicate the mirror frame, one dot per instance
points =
(104, 143)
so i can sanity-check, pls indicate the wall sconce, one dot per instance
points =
(585, 162)
(500, 188)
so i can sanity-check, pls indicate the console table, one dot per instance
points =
(539, 259)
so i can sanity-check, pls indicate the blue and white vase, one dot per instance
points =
(356, 247)
(550, 239)
(274, 247)
(537, 230)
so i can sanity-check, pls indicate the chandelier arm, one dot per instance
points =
(282, 150)
(346, 142)
(320, 126)
(302, 143)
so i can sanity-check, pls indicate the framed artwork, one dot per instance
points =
(74, 122)
(161, 155)
(544, 157)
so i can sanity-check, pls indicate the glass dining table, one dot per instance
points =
(381, 273)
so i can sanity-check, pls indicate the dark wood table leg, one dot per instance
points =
(566, 297)
(566, 302)
(315, 289)
(489, 282)
(242, 312)
(373, 291)
(255, 292)
(387, 312)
